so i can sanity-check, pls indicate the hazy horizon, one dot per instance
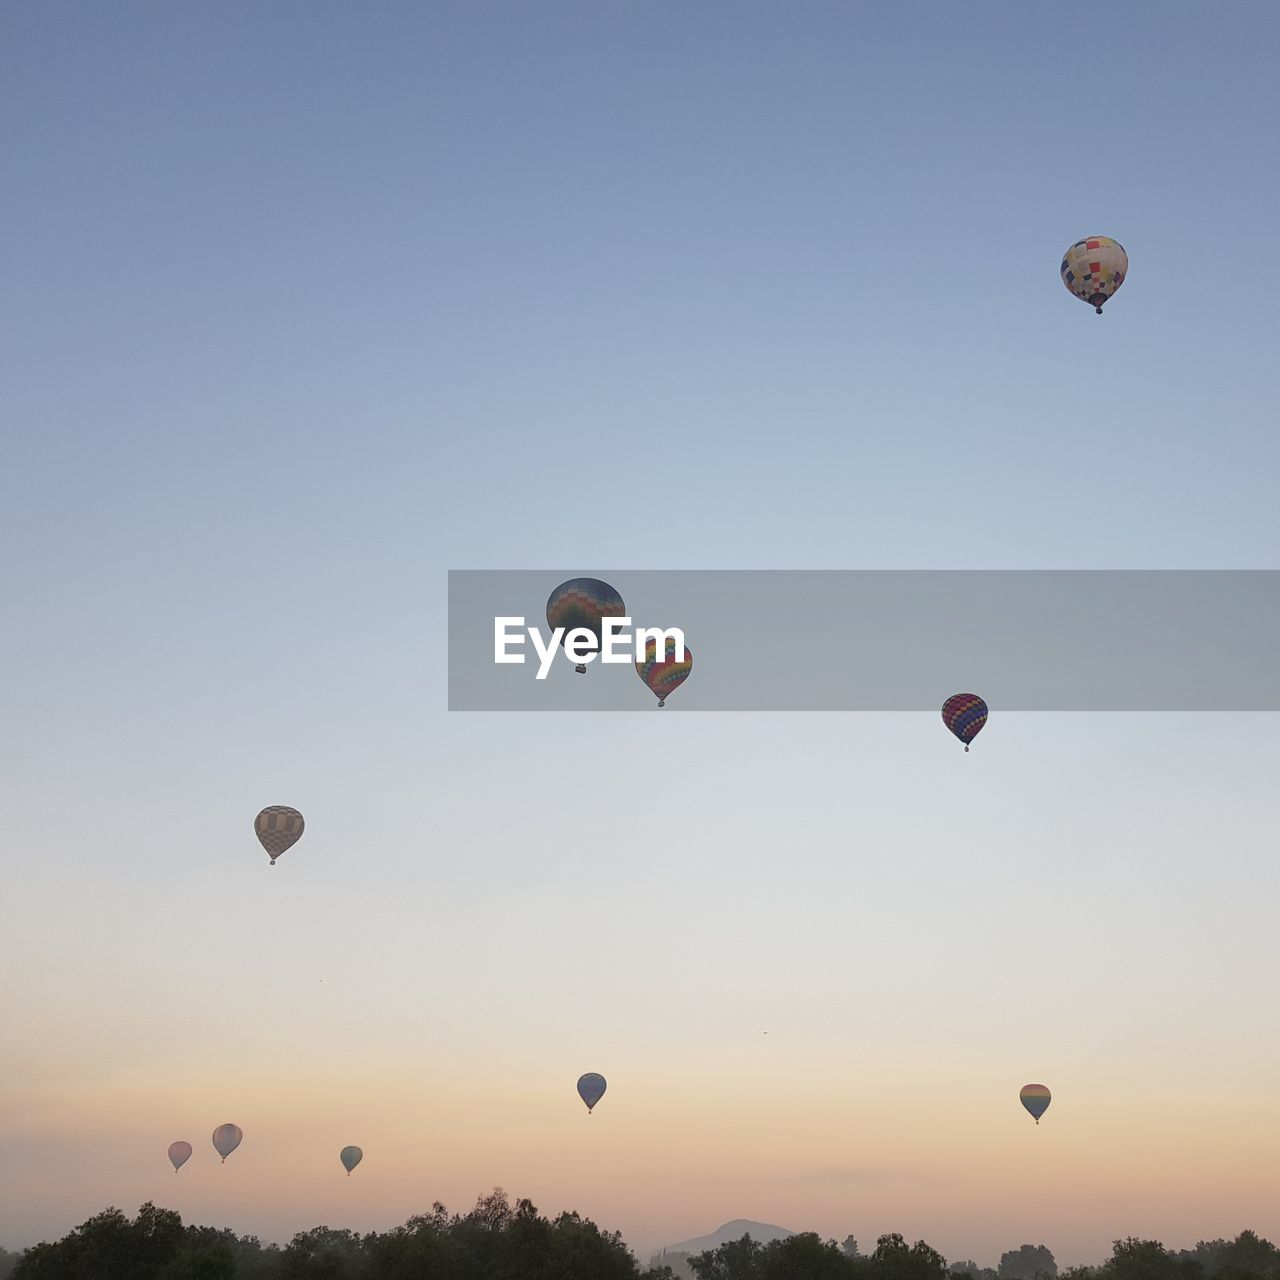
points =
(307, 306)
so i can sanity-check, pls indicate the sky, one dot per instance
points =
(308, 304)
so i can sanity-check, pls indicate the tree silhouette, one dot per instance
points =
(1134, 1259)
(734, 1260)
(496, 1240)
(894, 1260)
(1030, 1262)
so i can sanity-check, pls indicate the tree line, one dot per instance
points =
(500, 1241)
(808, 1257)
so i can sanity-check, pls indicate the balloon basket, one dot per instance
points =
(581, 669)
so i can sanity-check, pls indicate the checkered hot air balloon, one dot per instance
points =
(1094, 268)
(278, 828)
(583, 603)
(964, 714)
(664, 674)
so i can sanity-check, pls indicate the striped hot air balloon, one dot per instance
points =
(664, 675)
(1036, 1099)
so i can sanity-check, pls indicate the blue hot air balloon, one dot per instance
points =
(591, 1089)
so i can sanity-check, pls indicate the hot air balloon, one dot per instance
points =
(226, 1138)
(278, 828)
(1036, 1099)
(964, 714)
(591, 1089)
(179, 1154)
(664, 675)
(583, 602)
(1094, 268)
(350, 1157)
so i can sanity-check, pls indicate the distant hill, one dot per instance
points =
(735, 1230)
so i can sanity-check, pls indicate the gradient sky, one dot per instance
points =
(306, 304)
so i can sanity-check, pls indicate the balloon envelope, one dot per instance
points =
(179, 1154)
(226, 1138)
(964, 714)
(1094, 268)
(1036, 1099)
(278, 828)
(591, 1089)
(583, 602)
(350, 1157)
(664, 674)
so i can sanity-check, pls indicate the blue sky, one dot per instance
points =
(308, 304)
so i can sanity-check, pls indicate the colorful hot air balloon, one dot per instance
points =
(964, 714)
(1036, 1099)
(179, 1154)
(1094, 268)
(278, 828)
(583, 602)
(226, 1138)
(664, 675)
(591, 1089)
(350, 1157)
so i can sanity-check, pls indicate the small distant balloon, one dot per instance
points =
(591, 1089)
(350, 1157)
(583, 603)
(1094, 268)
(1036, 1099)
(226, 1138)
(179, 1154)
(278, 828)
(664, 675)
(964, 714)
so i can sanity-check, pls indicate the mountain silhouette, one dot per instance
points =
(735, 1230)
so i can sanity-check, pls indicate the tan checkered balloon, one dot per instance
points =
(278, 828)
